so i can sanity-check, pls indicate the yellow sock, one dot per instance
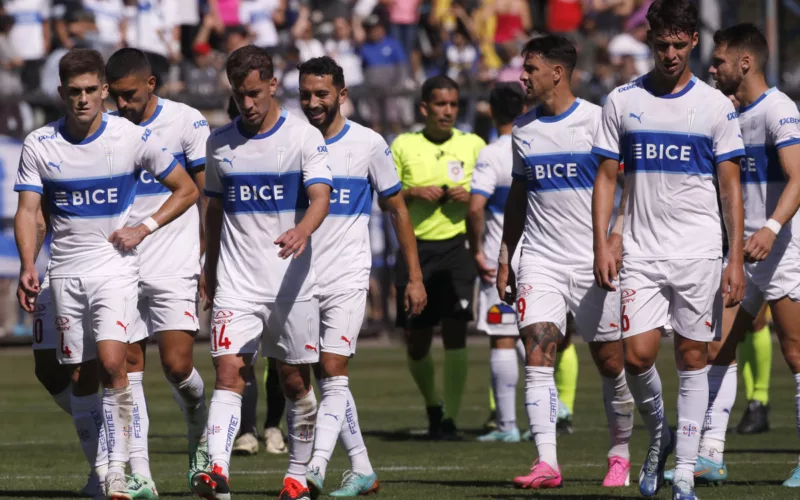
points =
(424, 374)
(566, 375)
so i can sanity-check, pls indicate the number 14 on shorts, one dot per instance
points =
(218, 338)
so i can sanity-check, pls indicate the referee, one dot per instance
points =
(435, 167)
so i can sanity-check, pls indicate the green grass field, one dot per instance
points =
(41, 457)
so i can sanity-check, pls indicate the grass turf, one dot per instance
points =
(42, 459)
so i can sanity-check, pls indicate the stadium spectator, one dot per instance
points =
(564, 16)
(109, 17)
(513, 20)
(10, 62)
(309, 46)
(462, 58)
(342, 47)
(30, 36)
(632, 42)
(148, 29)
(404, 19)
(262, 16)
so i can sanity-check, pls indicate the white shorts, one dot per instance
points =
(166, 304)
(546, 295)
(341, 316)
(44, 320)
(288, 331)
(89, 310)
(495, 317)
(682, 293)
(775, 277)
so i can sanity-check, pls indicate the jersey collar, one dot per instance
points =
(682, 92)
(341, 134)
(754, 103)
(557, 118)
(263, 135)
(62, 129)
(155, 114)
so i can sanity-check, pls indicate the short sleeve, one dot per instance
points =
(382, 171)
(783, 124)
(213, 187)
(195, 135)
(518, 160)
(728, 143)
(484, 178)
(153, 155)
(607, 138)
(315, 159)
(397, 156)
(28, 176)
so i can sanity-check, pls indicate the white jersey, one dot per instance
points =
(27, 33)
(257, 14)
(770, 123)
(88, 189)
(361, 163)
(492, 179)
(108, 16)
(173, 250)
(10, 150)
(670, 146)
(262, 180)
(553, 156)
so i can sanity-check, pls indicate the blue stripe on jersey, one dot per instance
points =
(28, 17)
(668, 152)
(787, 142)
(390, 191)
(560, 171)
(606, 153)
(90, 198)
(264, 193)
(481, 192)
(761, 165)
(29, 187)
(497, 202)
(350, 196)
(149, 186)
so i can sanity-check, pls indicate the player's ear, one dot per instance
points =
(273, 86)
(343, 95)
(423, 109)
(745, 62)
(62, 92)
(151, 84)
(104, 91)
(695, 39)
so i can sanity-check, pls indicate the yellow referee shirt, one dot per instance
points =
(422, 163)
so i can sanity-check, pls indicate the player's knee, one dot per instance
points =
(134, 357)
(49, 372)
(638, 361)
(691, 355)
(791, 353)
(231, 376)
(295, 380)
(176, 368)
(85, 378)
(418, 343)
(333, 365)
(611, 367)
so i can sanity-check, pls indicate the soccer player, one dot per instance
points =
(550, 201)
(770, 177)
(680, 141)
(755, 365)
(269, 185)
(84, 168)
(361, 163)
(435, 166)
(169, 263)
(489, 187)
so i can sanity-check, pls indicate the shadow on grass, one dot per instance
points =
(764, 451)
(527, 495)
(418, 434)
(39, 494)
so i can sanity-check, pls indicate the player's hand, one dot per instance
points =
(615, 245)
(416, 298)
(758, 246)
(605, 268)
(733, 284)
(28, 289)
(293, 241)
(486, 272)
(429, 193)
(506, 279)
(128, 238)
(458, 194)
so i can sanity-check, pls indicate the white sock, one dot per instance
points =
(352, 439)
(520, 348)
(646, 391)
(619, 412)
(191, 397)
(118, 411)
(63, 399)
(541, 404)
(330, 417)
(721, 397)
(140, 457)
(797, 401)
(88, 418)
(505, 374)
(224, 418)
(301, 417)
(692, 406)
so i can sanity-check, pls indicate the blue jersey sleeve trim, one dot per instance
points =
(489, 195)
(392, 190)
(788, 142)
(514, 175)
(213, 194)
(28, 187)
(318, 180)
(165, 173)
(605, 153)
(727, 156)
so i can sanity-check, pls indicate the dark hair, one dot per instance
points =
(127, 61)
(673, 16)
(245, 60)
(232, 109)
(507, 101)
(745, 36)
(436, 83)
(322, 66)
(80, 62)
(553, 49)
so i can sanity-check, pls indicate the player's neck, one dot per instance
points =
(505, 129)
(273, 115)
(80, 132)
(150, 108)
(557, 103)
(334, 127)
(663, 85)
(751, 88)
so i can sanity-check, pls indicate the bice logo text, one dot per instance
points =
(255, 193)
(645, 151)
(86, 197)
(548, 170)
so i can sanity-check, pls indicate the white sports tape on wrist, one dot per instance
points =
(151, 224)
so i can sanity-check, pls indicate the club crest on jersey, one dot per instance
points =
(110, 158)
(455, 170)
(501, 314)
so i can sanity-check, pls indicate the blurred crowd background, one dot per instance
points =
(386, 47)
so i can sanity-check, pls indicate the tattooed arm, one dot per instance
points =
(730, 193)
(513, 225)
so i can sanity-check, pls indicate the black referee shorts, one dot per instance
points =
(449, 277)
